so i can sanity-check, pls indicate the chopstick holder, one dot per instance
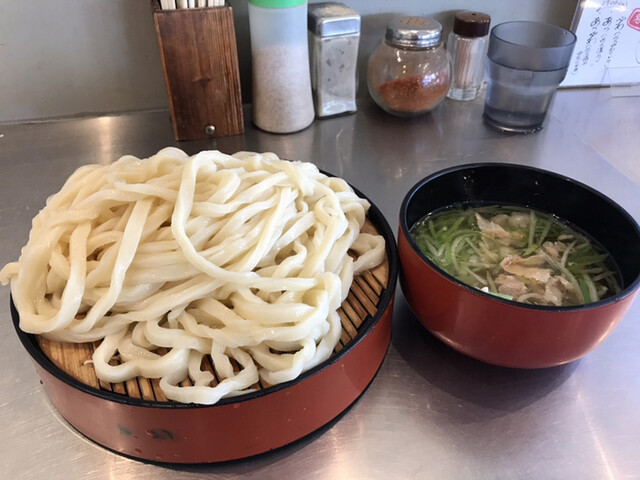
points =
(200, 62)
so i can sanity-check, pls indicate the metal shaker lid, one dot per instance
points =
(417, 32)
(329, 19)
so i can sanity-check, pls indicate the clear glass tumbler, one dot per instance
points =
(526, 62)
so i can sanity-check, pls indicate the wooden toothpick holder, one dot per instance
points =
(200, 62)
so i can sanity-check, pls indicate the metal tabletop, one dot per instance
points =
(430, 412)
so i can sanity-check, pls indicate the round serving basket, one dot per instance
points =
(135, 419)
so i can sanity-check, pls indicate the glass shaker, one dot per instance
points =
(334, 35)
(281, 83)
(467, 45)
(409, 74)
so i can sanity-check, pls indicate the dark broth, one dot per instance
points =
(517, 253)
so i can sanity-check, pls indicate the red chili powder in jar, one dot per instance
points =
(413, 94)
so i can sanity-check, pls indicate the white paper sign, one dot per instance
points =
(608, 34)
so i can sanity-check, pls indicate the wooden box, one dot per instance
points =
(200, 62)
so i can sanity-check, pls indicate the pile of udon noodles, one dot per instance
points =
(244, 257)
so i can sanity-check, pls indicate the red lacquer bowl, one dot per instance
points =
(504, 332)
(236, 427)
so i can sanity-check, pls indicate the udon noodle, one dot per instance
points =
(165, 260)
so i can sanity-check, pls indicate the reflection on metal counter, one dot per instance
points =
(430, 412)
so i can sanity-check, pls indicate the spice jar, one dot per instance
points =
(281, 83)
(334, 35)
(467, 45)
(408, 73)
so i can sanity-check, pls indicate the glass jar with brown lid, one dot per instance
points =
(409, 74)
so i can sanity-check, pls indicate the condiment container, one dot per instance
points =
(281, 83)
(199, 59)
(334, 35)
(409, 74)
(467, 45)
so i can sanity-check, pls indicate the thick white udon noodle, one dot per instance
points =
(239, 257)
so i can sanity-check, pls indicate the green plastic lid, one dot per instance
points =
(277, 3)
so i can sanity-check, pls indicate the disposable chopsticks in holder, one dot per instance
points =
(177, 4)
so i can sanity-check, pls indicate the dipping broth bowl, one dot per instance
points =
(504, 332)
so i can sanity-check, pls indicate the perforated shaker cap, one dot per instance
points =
(414, 32)
(471, 24)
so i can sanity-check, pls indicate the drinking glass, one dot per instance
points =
(526, 62)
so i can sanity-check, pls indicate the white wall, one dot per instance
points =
(78, 57)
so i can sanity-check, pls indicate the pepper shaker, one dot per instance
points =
(467, 44)
(334, 35)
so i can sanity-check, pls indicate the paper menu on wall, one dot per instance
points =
(607, 51)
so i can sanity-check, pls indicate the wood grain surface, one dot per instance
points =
(200, 61)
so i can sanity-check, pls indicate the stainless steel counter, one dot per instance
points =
(430, 412)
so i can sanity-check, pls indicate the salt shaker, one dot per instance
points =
(467, 45)
(408, 74)
(281, 82)
(334, 35)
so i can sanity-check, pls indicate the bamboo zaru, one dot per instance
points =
(245, 258)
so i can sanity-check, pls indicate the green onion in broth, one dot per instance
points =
(517, 253)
